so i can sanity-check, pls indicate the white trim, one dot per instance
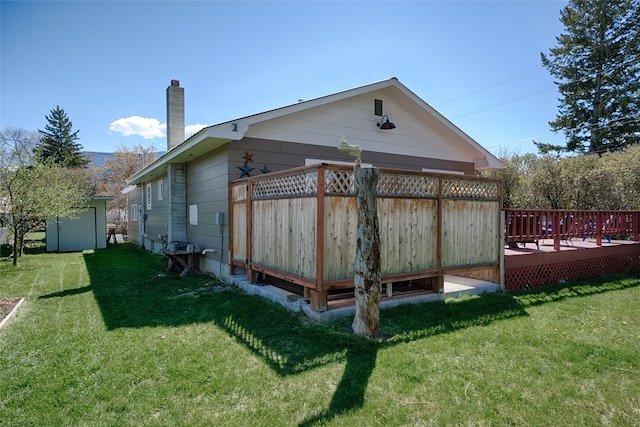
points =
(128, 189)
(160, 189)
(447, 171)
(311, 162)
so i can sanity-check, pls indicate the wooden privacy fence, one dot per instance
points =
(527, 225)
(300, 226)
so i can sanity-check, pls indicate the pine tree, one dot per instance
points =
(59, 142)
(597, 67)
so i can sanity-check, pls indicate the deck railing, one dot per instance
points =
(532, 225)
(299, 225)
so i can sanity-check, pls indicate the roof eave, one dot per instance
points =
(218, 135)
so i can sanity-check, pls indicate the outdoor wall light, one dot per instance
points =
(387, 124)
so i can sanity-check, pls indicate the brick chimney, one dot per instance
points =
(175, 114)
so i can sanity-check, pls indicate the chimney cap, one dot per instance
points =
(175, 82)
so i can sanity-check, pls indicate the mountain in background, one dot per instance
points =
(97, 159)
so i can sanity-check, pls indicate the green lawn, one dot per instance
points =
(105, 338)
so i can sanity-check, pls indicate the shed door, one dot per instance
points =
(79, 233)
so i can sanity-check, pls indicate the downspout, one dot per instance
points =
(141, 215)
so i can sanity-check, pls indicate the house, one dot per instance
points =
(184, 196)
(88, 230)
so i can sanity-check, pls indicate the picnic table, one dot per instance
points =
(186, 262)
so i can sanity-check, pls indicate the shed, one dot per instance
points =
(88, 230)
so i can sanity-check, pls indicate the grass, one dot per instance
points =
(106, 338)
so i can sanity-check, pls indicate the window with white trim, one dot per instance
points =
(161, 189)
(149, 196)
(133, 215)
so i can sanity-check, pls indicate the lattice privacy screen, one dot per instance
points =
(407, 185)
(472, 189)
(286, 186)
(339, 182)
(389, 184)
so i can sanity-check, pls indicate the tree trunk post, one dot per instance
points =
(367, 262)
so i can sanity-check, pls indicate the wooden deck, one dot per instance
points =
(528, 267)
(565, 245)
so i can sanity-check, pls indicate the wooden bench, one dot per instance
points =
(186, 262)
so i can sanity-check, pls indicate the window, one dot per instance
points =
(161, 189)
(133, 216)
(149, 197)
(193, 214)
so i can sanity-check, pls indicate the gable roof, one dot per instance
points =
(234, 130)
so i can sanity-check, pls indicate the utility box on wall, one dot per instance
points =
(219, 218)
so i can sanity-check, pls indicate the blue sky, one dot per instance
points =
(108, 64)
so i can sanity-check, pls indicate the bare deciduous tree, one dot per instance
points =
(124, 163)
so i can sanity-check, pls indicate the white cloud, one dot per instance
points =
(191, 130)
(146, 127)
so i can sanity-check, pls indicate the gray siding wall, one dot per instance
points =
(155, 226)
(208, 189)
(279, 156)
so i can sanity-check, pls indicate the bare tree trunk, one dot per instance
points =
(367, 263)
(16, 241)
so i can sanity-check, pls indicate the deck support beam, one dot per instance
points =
(437, 284)
(319, 299)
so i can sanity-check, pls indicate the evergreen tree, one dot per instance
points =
(59, 142)
(597, 67)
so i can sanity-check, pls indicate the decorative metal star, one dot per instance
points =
(245, 169)
(265, 169)
(247, 157)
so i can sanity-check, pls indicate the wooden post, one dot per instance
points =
(232, 267)
(501, 253)
(367, 280)
(438, 281)
(636, 222)
(319, 298)
(251, 275)
(555, 230)
(599, 225)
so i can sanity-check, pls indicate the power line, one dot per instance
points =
(505, 102)
(489, 87)
(518, 98)
(611, 124)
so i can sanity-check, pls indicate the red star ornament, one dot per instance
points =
(247, 157)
